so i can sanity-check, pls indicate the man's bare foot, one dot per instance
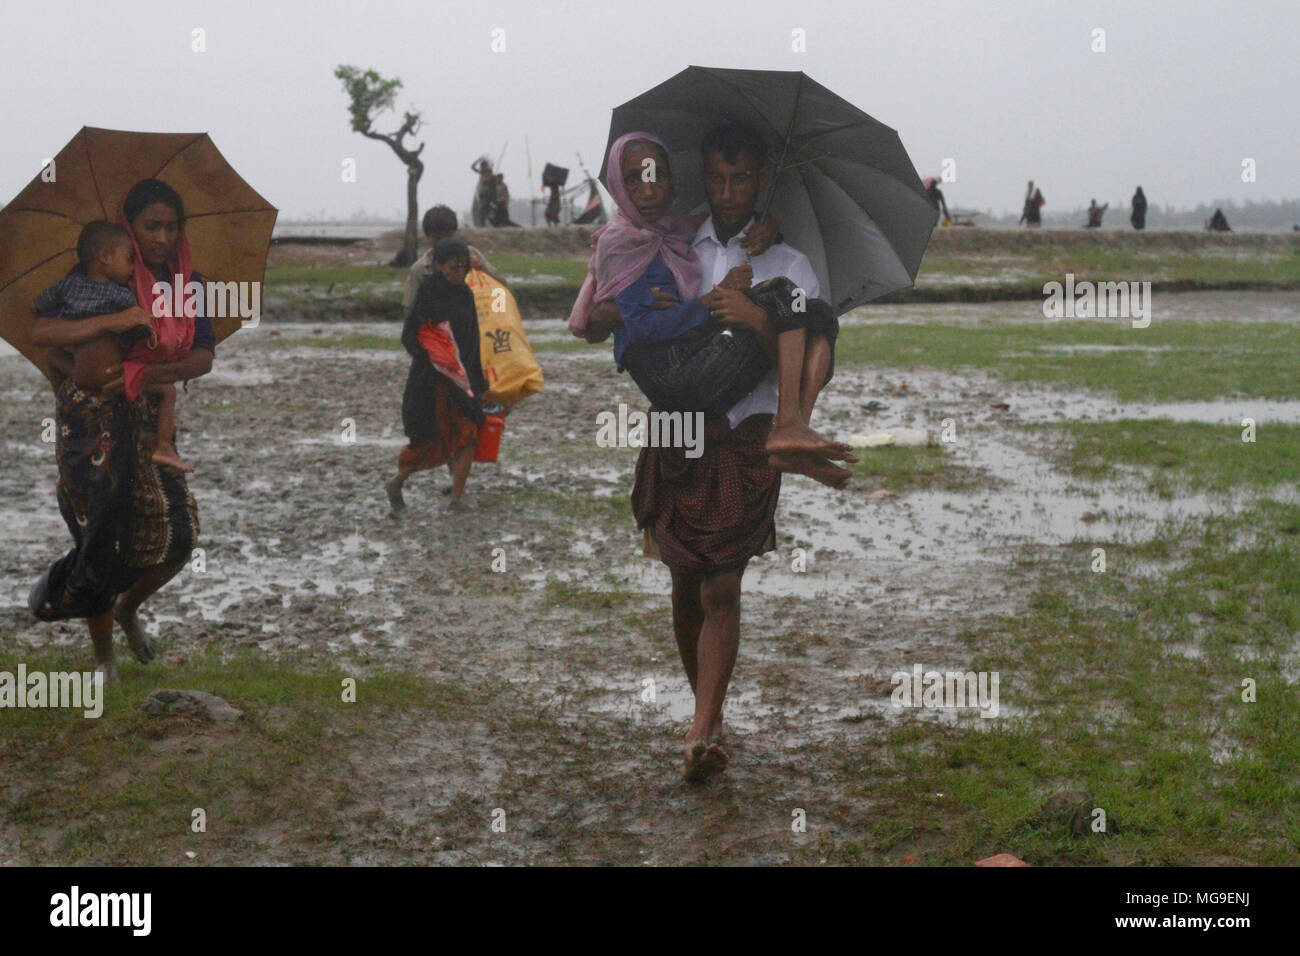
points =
(814, 466)
(141, 646)
(703, 760)
(693, 768)
(167, 456)
(109, 670)
(395, 499)
(798, 437)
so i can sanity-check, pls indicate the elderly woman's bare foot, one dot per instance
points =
(141, 646)
(798, 437)
(814, 466)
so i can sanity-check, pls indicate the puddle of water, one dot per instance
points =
(227, 374)
(674, 702)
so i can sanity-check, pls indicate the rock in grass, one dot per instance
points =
(189, 703)
(1070, 809)
(1001, 859)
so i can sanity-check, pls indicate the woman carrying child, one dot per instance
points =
(134, 522)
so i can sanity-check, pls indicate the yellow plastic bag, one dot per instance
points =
(509, 365)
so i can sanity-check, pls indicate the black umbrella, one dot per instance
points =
(844, 189)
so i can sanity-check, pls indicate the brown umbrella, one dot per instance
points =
(229, 225)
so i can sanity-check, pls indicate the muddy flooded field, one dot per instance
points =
(535, 602)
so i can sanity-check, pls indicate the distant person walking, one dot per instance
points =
(1139, 214)
(501, 214)
(1095, 213)
(936, 196)
(553, 205)
(485, 193)
(1032, 216)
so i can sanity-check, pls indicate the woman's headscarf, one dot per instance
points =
(624, 248)
(179, 264)
(173, 330)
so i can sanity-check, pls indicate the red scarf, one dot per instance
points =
(180, 264)
(172, 335)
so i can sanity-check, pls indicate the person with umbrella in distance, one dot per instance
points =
(134, 522)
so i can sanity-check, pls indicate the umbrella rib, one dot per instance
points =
(838, 129)
(44, 212)
(168, 161)
(27, 272)
(94, 180)
(812, 208)
(758, 106)
(785, 146)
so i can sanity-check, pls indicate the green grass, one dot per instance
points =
(524, 266)
(1182, 456)
(530, 266)
(605, 599)
(1195, 360)
(1148, 756)
(915, 468)
(128, 782)
(332, 275)
(1036, 266)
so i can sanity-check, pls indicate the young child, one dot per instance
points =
(101, 285)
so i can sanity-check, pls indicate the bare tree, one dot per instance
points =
(371, 95)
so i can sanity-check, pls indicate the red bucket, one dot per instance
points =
(489, 438)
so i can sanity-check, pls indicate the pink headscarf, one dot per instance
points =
(624, 248)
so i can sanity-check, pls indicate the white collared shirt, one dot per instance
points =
(716, 260)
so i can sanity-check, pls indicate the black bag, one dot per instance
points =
(707, 369)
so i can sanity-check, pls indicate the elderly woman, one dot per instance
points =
(133, 524)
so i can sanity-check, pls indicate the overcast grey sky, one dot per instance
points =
(1010, 90)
